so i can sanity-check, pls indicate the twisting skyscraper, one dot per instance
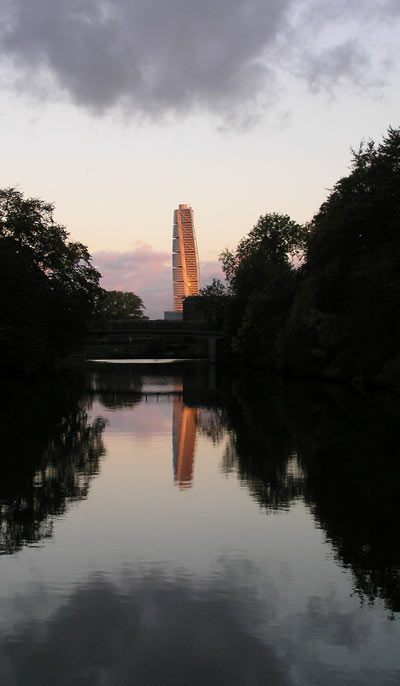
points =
(185, 260)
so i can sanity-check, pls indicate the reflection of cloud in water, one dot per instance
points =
(154, 628)
(144, 420)
(151, 631)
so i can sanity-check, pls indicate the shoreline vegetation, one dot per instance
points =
(314, 301)
(323, 300)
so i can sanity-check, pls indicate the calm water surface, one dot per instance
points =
(156, 529)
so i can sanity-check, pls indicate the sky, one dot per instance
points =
(117, 111)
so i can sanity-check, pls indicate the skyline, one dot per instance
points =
(108, 114)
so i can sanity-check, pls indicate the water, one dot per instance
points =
(159, 529)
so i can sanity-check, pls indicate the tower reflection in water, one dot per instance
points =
(184, 429)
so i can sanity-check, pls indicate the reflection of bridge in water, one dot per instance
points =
(188, 386)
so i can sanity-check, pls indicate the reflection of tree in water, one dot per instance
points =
(350, 452)
(260, 450)
(211, 422)
(47, 467)
(274, 484)
(348, 471)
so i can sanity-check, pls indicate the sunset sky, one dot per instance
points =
(118, 111)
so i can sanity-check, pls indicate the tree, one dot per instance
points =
(215, 289)
(49, 289)
(262, 279)
(121, 305)
(345, 316)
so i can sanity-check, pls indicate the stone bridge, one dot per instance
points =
(153, 338)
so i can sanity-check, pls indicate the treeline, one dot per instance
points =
(49, 290)
(324, 299)
(48, 286)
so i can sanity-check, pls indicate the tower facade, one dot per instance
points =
(185, 260)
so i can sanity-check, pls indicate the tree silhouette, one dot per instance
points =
(48, 288)
(344, 319)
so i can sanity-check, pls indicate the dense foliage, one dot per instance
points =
(336, 314)
(48, 288)
(262, 279)
(121, 305)
(344, 322)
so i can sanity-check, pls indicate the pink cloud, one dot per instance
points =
(146, 272)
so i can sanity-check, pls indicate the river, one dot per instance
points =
(159, 526)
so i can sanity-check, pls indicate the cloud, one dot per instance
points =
(348, 61)
(146, 272)
(343, 44)
(149, 56)
(159, 58)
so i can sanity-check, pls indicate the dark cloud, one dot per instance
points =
(348, 61)
(154, 58)
(150, 56)
(148, 273)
